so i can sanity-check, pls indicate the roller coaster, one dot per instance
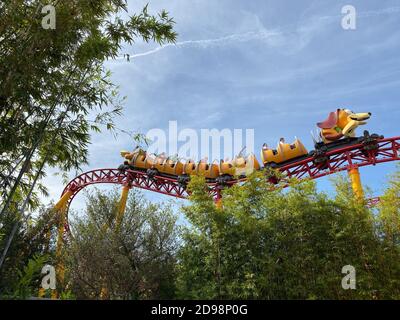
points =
(337, 149)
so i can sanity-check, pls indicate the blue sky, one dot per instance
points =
(277, 67)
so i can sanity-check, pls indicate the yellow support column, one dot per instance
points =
(218, 203)
(354, 174)
(59, 208)
(218, 200)
(60, 244)
(122, 205)
(63, 200)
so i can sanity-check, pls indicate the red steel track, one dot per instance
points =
(345, 158)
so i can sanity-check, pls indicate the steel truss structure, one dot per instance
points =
(318, 165)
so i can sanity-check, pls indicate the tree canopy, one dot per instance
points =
(54, 88)
(55, 91)
(262, 243)
(291, 243)
(134, 260)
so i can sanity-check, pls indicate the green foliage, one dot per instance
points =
(67, 295)
(389, 211)
(279, 243)
(31, 240)
(29, 278)
(131, 260)
(265, 242)
(55, 91)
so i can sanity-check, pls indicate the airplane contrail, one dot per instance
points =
(238, 37)
(247, 36)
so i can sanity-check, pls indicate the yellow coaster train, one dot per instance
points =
(336, 131)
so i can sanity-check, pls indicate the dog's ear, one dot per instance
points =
(330, 122)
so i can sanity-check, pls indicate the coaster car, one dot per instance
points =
(239, 166)
(210, 171)
(341, 123)
(189, 167)
(139, 161)
(168, 166)
(135, 159)
(283, 152)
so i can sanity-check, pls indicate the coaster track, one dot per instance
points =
(316, 166)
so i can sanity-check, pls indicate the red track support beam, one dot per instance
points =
(338, 160)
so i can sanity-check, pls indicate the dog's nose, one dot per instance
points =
(370, 113)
